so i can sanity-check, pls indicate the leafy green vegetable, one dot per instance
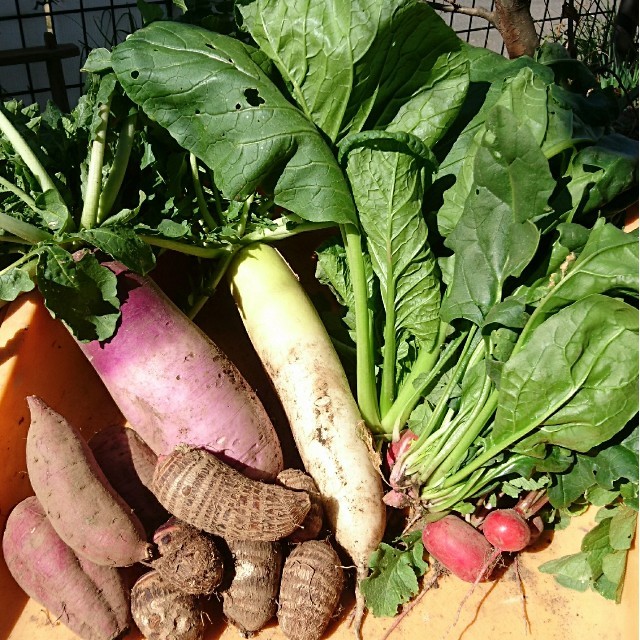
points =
(250, 135)
(394, 575)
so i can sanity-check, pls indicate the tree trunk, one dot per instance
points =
(515, 24)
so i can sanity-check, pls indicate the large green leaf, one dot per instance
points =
(496, 237)
(524, 93)
(310, 41)
(608, 262)
(213, 98)
(412, 51)
(388, 186)
(575, 382)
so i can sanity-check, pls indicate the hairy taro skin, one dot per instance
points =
(197, 487)
(89, 599)
(300, 481)
(310, 589)
(84, 509)
(188, 559)
(175, 386)
(250, 601)
(162, 612)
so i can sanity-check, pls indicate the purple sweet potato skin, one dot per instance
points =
(128, 463)
(175, 386)
(49, 572)
(84, 509)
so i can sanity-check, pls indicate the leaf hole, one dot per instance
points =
(253, 97)
(135, 74)
(197, 112)
(238, 105)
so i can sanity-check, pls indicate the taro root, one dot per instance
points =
(301, 481)
(163, 612)
(200, 489)
(188, 558)
(251, 599)
(310, 589)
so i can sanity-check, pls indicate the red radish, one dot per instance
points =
(459, 547)
(175, 386)
(399, 447)
(506, 530)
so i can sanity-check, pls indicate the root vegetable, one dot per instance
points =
(188, 559)
(310, 590)
(89, 599)
(301, 481)
(175, 386)
(83, 508)
(197, 487)
(128, 464)
(163, 612)
(325, 421)
(459, 547)
(506, 530)
(251, 599)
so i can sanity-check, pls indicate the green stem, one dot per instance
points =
(464, 437)
(280, 231)
(202, 203)
(424, 370)
(26, 153)
(456, 495)
(183, 247)
(118, 168)
(365, 363)
(24, 230)
(17, 191)
(223, 265)
(29, 259)
(89, 216)
(388, 380)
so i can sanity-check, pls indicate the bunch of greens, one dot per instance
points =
(489, 298)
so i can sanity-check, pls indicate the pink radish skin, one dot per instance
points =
(459, 547)
(507, 530)
(397, 449)
(91, 600)
(175, 386)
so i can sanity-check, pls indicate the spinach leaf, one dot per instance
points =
(496, 237)
(574, 383)
(607, 263)
(223, 108)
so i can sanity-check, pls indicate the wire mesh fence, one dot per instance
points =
(43, 43)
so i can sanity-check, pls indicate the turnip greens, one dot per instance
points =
(489, 294)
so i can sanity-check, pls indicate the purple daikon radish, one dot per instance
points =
(175, 386)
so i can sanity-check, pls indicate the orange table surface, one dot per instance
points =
(37, 356)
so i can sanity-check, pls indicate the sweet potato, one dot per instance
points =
(175, 386)
(301, 481)
(163, 612)
(89, 599)
(128, 464)
(188, 559)
(310, 590)
(82, 506)
(197, 487)
(250, 601)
